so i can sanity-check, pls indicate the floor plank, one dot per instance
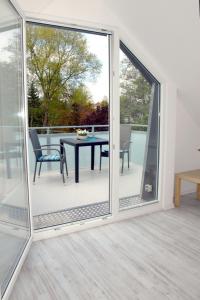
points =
(151, 257)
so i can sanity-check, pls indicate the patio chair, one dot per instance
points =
(125, 141)
(60, 156)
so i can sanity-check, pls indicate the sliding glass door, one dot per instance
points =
(14, 205)
(139, 132)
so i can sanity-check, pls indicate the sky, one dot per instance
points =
(98, 45)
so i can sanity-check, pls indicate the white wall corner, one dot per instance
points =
(168, 143)
(188, 139)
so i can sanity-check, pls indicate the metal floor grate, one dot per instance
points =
(71, 215)
(14, 215)
(18, 215)
(131, 201)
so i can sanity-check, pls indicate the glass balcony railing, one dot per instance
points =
(52, 135)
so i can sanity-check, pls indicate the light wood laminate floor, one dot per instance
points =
(154, 257)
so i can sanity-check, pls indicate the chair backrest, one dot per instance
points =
(125, 136)
(35, 143)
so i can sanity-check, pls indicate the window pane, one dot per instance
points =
(139, 108)
(149, 185)
(14, 207)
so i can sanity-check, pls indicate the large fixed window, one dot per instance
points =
(139, 131)
(68, 103)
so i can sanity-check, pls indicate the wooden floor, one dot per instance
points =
(154, 257)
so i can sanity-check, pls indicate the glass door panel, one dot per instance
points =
(14, 205)
(139, 132)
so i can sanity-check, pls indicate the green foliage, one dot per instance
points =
(34, 104)
(33, 96)
(58, 63)
(135, 94)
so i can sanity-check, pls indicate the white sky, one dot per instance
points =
(98, 45)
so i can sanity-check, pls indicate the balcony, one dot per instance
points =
(50, 197)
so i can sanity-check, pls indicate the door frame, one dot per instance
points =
(115, 214)
(167, 123)
(26, 249)
(113, 94)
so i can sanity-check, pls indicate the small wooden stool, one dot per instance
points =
(192, 176)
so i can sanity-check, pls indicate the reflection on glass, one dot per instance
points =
(139, 129)
(14, 212)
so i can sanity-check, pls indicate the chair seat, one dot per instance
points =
(51, 157)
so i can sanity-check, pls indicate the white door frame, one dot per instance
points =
(29, 242)
(114, 136)
(167, 137)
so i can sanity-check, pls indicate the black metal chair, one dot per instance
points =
(125, 141)
(40, 157)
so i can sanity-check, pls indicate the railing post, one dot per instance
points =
(93, 132)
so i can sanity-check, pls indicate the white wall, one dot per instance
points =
(170, 32)
(187, 142)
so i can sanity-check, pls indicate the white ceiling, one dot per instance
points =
(168, 30)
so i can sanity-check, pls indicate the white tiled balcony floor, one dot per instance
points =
(49, 194)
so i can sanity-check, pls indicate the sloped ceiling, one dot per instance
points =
(168, 30)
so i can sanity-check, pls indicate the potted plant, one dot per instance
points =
(81, 134)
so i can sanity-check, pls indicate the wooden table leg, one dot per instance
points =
(198, 191)
(177, 191)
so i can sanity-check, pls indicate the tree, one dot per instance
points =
(34, 106)
(80, 106)
(58, 62)
(135, 94)
(33, 96)
(99, 114)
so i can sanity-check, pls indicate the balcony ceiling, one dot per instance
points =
(168, 30)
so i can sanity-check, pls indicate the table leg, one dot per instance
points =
(198, 191)
(177, 191)
(92, 156)
(61, 152)
(76, 164)
(61, 148)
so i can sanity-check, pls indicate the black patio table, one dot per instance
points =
(89, 141)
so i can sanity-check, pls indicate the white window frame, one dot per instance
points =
(24, 95)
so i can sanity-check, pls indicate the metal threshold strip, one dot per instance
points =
(71, 215)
